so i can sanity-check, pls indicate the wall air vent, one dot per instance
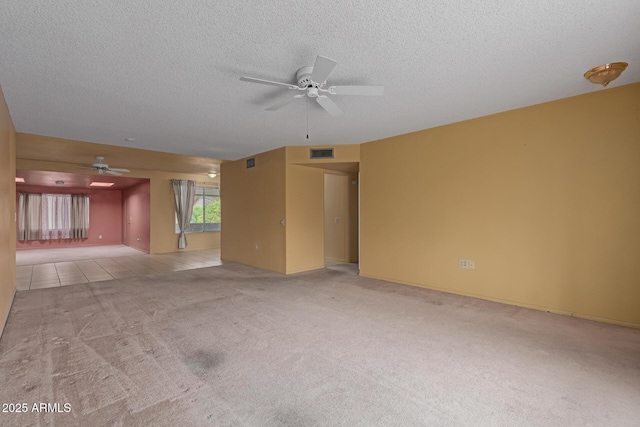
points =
(251, 162)
(321, 153)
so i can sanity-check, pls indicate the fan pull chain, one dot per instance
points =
(307, 118)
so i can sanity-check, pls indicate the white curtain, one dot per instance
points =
(53, 216)
(29, 216)
(56, 216)
(183, 195)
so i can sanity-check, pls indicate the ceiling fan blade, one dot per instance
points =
(321, 69)
(281, 104)
(329, 106)
(119, 170)
(112, 172)
(357, 90)
(268, 82)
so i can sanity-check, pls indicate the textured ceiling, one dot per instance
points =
(167, 72)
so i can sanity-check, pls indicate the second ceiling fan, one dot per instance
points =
(102, 167)
(312, 82)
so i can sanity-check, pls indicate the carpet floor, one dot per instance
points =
(236, 346)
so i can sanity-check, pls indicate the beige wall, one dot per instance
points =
(7, 211)
(305, 204)
(305, 217)
(162, 216)
(285, 184)
(544, 199)
(305, 236)
(253, 206)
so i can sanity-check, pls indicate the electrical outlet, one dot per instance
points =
(466, 264)
(100, 237)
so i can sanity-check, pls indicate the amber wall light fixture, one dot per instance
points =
(605, 74)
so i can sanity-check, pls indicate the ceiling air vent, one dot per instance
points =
(251, 162)
(321, 153)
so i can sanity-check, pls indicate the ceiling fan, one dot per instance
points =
(104, 168)
(312, 82)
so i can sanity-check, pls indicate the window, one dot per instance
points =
(56, 216)
(205, 216)
(53, 216)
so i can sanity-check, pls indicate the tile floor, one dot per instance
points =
(69, 272)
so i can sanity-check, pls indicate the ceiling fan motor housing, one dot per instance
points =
(99, 164)
(303, 76)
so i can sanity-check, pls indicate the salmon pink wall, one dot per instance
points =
(105, 218)
(137, 216)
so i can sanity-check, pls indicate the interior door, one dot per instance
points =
(336, 217)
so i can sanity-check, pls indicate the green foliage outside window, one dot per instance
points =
(206, 211)
(211, 211)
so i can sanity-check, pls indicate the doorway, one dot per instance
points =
(340, 218)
